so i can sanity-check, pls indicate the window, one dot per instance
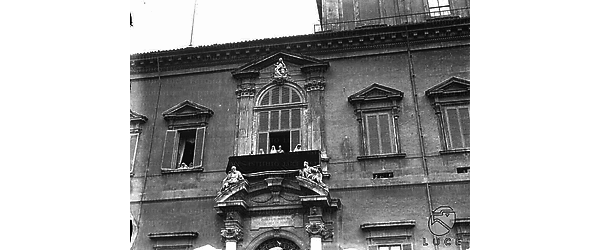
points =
(379, 134)
(184, 149)
(185, 137)
(279, 119)
(404, 246)
(439, 8)
(133, 141)
(456, 125)
(463, 232)
(383, 175)
(451, 106)
(135, 129)
(377, 108)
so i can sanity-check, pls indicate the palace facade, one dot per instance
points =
(354, 137)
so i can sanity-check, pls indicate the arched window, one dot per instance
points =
(279, 111)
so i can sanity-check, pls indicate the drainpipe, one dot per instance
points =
(418, 119)
(139, 217)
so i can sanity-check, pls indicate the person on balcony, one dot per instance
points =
(273, 150)
(280, 150)
(298, 148)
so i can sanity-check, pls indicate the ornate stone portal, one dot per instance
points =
(276, 205)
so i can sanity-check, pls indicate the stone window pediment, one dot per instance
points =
(376, 93)
(135, 121)
(451, 103)
(184, 140)
(187, 113)
(376, 108)
(453, 86)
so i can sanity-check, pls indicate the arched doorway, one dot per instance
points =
(285, 244)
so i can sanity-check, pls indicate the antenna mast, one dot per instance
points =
(193, 19)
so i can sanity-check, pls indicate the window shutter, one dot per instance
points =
(275, 95)
(263, 121)
(265, 99)
(295, 139)
(373, 247)
(285, 95)
(274, 120)
(169, 149)
(386, 142)
(296, 118)
(199, 144)
(295, 96)
(285, 119)
(372, 134)
(464, 125)
(454, 128)
(262, 143)
(133, 140)
(406, 246)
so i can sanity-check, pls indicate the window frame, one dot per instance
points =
(452, 92)
(302, 105)
(378, 99)
(198, 157)
(136, 121)
(444, 126)
(440, 12)
(393, 137)
(448, 129)
(185, 116)
(135, 147)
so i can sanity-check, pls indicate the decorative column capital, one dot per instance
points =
(245, 92)
(232, 234)
(318, 229)
(315, 85)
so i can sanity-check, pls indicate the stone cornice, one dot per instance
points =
(313, 44)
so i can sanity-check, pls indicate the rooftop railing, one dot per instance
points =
(434, 15)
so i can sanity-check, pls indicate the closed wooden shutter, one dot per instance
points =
(133, 140)
(458, 127)
(265, 99)
(296, 118)
(285, 95)
(295, 138)
(274, 120)
(263, 142)
(275, 95)
(285, 119)
(372, 134)
(465, 125)
(169, 149)
(385, 134)
(295, 96)
(199, 150)
(263, 121)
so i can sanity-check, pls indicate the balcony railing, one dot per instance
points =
(249, 164)
(435, 15)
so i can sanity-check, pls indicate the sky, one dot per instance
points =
(166, 25)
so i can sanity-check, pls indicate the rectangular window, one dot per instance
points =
(379, 134)
(133, 140)
(457, 127)
(438, 8)
(278, 128)
(403, 246)
(183, 148)
(186, 148)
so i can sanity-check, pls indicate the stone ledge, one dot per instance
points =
(181, 170)
(367, 157)
(187, 234)
(455, 151)
(404, 223)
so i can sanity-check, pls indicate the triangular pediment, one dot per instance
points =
(376, 92)
(451, 86)
(269, 61)
(136, 117)
(187, 109)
